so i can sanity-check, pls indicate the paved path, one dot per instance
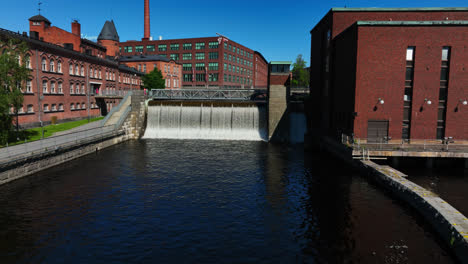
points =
(80, 128)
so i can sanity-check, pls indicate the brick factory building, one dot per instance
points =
(70, 78)
(171, 70)
(391, 73)
(207, 62)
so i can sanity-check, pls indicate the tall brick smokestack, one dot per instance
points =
(147, 20)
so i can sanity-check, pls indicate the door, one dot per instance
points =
(377, 131)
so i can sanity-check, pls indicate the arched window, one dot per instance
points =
(46, 108)
(60, 107)
(70, 69)
(30, 108)
(29, 86)
(59, 66)
(72, 106)
(90, 73)
(100, 74)
(82, 89)
(51, 67)
(27, 61)
(95, 73)
(83, 106)
(77, 69)
(60, 88)
(44, 64)
(82, 71)
(44, 87)
(77, 105)
(72, 89)
(52, 87)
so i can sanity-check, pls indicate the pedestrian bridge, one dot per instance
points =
(259, 95)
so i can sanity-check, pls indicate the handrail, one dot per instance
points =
(117, 108)
(207, 94)
(123, 117)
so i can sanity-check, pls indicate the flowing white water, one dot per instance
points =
(231, 122)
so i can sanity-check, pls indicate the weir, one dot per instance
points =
(206, 120)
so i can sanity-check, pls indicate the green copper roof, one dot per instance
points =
(377, 9)
(281, 62)
(414, 23)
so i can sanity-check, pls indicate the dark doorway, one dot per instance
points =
(377, 131)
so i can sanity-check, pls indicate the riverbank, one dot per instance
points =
(448, 222)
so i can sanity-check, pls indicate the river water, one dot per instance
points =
(176, 201)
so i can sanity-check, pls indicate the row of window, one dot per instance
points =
(55, 108)
(237, 69)
(239, 51)
(173, 46)
(212, 66)
(233, 58)
(175, 82)
(237, 79)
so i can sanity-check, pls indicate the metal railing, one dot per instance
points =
(447, 144)
(123, 117)
(208, 94)
(119, 93)
(50, 145)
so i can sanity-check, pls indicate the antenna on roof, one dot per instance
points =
(39, 7)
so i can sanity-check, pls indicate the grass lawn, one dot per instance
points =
(34, 134)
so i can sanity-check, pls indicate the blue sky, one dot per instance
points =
(278, 29)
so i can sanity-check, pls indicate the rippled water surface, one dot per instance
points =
(155, 201)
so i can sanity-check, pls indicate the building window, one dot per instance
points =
(82, 71)
(72, 106)
(229, 67)
(200, 66)
(200, 56)
(187, 56)
(60, 88)
(46, 108)
(168, 83)
(83, 106)
(174, 46)
(91, 73)
(187, 67)
(187, 46)
(150, 48)
(443, 93)
(138, 48)
(188, 77)
(199, 45)
(72, 90)
(128, 49)
(59, 66)
(30, 108)
(52, 87)
(408, 93)
(225, 77)
(213, 77)
(54, 107)
(77, 70)
(27, 62)
(230, 57)
(213, 45)
(77, 106)
(213, 66)
(44, 64)
(70, 69)
(29, 86)
(213, 55)
(44, 87)
(60, 107)
(200, 77)
(83, 89)
(144, 67)
(174, 56)
(162, 47)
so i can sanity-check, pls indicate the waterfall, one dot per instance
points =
(227, 121)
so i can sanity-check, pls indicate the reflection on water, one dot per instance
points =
(155, 201)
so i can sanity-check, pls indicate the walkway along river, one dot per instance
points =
(177, 201)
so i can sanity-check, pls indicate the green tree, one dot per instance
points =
(300, 73)
(154, 80)
(13, 77)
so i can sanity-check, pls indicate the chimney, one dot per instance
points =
(147, 20)
(76, 28)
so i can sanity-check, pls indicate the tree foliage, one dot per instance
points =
(300, 73)
(154, 80)
(13, 77)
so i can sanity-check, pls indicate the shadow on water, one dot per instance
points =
(175, 201)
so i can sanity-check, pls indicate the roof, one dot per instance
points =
(414, 23)
(39, 18)
(377, 9)
(143, 58)
(109, 32)
(261, 56)
(123, 67)
(281, 62)
(92, 43)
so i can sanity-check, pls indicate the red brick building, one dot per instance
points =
(207, 62)
(69, 76)
(383, 72)
(171, 70)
